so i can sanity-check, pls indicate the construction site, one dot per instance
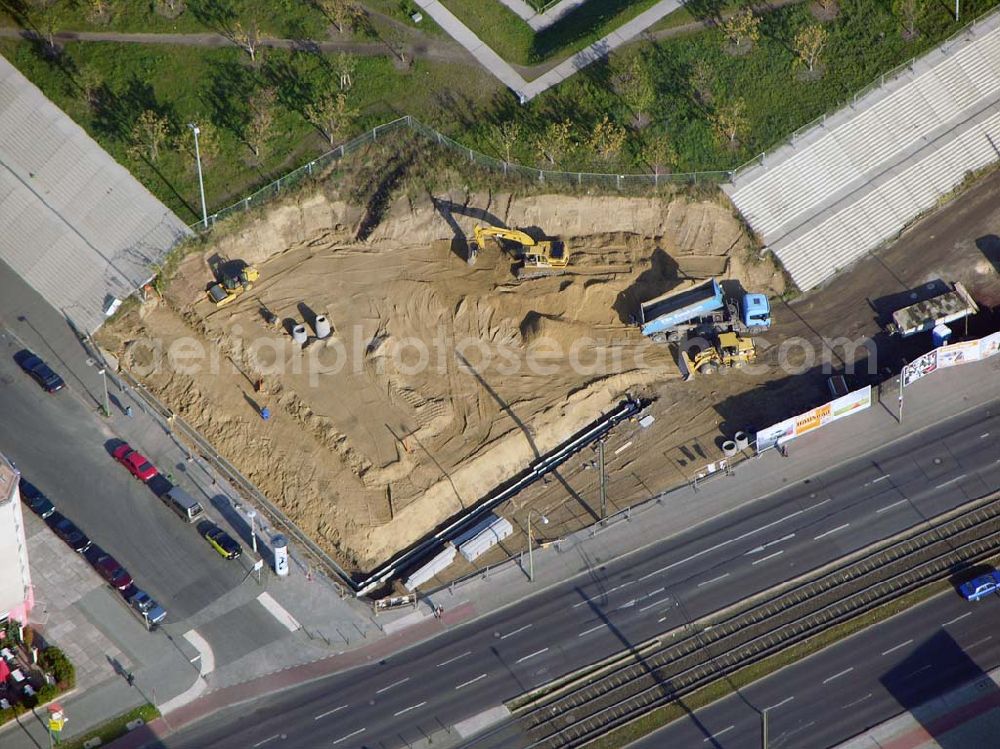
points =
(373, 389)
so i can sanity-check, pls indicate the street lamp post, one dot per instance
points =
(104, 378)
(201, 184)
(531, 562)
(252, 514)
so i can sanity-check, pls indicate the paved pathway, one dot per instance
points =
(538, 21)
(528, 90)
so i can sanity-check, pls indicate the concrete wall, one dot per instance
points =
(16, 597)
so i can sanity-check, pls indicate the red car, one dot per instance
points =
(137, 463)
(108, 568)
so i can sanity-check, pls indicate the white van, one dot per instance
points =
(183, 504)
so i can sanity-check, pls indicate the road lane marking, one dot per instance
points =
(452, 660)
(897, 647)
(714, 580)
(532, 655)
(276, 610)
(330, 712)
(717, 734)
(345, 738)
(980, 642)
(407, 709)
(626, 605)
(837, 676)
(832, 530)
(652, 593)
(984, 435)
(592, 629)
(914, 673)
(516, 631)
(760, 548)
(471, 681)
(770, 556)
(261, 743)
(889, 507)
(858, 702)
(394, 684)
(818, 504)
(951, 481)
(769, 525)
(880, 478)
(608, 592)
(957, 619)
(657, 603)
(779, 704)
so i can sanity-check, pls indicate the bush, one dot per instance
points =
(54, 660)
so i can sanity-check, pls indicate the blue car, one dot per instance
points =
(39, 371)
(981, 586)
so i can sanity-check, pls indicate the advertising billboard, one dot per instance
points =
(814, 418)
(920, 367)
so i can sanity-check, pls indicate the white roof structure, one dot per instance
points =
(846, 185)
(76, 225)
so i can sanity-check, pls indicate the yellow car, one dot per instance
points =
(222, 542)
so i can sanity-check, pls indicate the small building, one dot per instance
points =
(16, 593)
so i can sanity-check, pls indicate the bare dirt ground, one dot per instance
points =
(441, 379)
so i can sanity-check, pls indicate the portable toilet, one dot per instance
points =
(941, 334)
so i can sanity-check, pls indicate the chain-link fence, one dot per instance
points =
(577, 179)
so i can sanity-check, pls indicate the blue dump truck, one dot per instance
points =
(702, 310)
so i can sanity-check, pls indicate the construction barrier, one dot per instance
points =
(796, 426)
(951, 356)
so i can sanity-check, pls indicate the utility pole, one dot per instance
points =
(604, 489)
(531, 561)
(201, 184)
(104, 378)
(252, 514)
(763, 727)
(902, 374)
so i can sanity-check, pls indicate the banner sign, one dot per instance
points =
(951, 356)
(920, 367)
(815, 418)
(989, 345)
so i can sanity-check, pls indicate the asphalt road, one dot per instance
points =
(60, 445)
(419, 692)
(844, 690)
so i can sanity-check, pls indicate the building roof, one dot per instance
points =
(8, 480)
(70, 210)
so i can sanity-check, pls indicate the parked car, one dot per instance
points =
(38, 502)
(137, 463)
(39, 371)
(54, 519)
(221, 541)
(981, 586)
(73, 536)
(146, 608)
(108, 568)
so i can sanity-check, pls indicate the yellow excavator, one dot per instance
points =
(537, 257)
(232, 285)
(727, 350)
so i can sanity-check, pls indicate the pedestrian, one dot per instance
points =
(130, 678)
(128, 411)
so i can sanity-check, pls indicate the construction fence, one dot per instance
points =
(317, 166)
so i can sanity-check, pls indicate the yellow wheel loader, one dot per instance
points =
(728, 350)
(232, 285)
(536, 257)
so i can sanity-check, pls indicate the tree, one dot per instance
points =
(809, 44)
(170, 8)
(331, 114)
(702, 80)
(345, 65)
(660, 154)
(607, 139)
(261, 121)
(44, 16)
(742, 29)
(635, 86)
(344, 14)
(99, 11)
(90, 81)
(507, 135)
(730, 122)
(208, 139)
(148, 133)
(555, 142)
(907, 11)
(249, 38)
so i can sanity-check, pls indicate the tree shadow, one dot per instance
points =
(226, 95)
(218, 15)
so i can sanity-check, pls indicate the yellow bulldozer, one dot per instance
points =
(231, 285)
(727, 350)
(536, 257)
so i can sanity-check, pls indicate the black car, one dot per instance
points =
(54, 519)
(73, 536)
(39, 370)
(37, 501)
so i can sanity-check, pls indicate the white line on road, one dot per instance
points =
(979, 642)
(407, 709)
(627, 605)
(608, 592)
(897, 647)
(714, 580)
(270, 738)
(889, 507)
(770, 556)
(532, 655)
(769, 525)
(278, 612)
(516, 631)
(652, 593)
(592, 629)
(832, 530)
(957, 619)
(984, 435)
(880, 478)
(394, 684)
(345, 738)
(452, 660)
(330, 712)
(914, 673)
(950, 481)
(858, 702)
(658, 603)
(837, 676)
(760, 548)
(717, 734)
(471, 681)
(779, 704)
(818, 504)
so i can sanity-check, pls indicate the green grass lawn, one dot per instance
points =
(190, 84)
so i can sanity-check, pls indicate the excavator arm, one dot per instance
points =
(482, 233)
